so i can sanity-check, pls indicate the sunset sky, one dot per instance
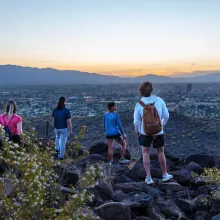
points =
(118, 37)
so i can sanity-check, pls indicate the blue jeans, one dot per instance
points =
(61, 138)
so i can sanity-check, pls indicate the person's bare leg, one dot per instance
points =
(146, 160)
(162, 159)
(123, 148)
(110, 150)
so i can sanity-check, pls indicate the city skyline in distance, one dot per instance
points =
(124, 38)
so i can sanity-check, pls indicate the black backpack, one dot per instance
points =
(7, 130)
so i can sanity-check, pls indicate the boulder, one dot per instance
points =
(205, 190)
(7, 187)
(103, 191)
(137, 199)
(69, 174)
(138, 172)
(118, 196)
(102, 149)
(185, 205)
(153, 211)
(216, 217)
(202, 202)
(128, 187)
(194, 167)
(169, 208)
(170, 187)
(122, 179)
(183, 177)
(202, 215)
(215, 209)
(114, 210)
(203, 160)
(139, 187)
(90, 159)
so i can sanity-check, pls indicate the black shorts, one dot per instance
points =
(117, 137)
(146, 141)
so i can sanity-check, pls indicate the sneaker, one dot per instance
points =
(124, 161)
(108, 163)
(149, 180)
(167, 177)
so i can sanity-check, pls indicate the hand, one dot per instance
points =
(70, 133)
(138, 134)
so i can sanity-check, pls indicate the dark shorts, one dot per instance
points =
(146, 141)
(117, 137)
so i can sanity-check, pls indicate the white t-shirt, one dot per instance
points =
(159, 105)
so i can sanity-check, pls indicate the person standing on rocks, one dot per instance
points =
(150, 116)
(62, 125)
(114, 131)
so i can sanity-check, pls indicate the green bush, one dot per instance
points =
(30, 187)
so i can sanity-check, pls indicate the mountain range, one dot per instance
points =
(18, 75)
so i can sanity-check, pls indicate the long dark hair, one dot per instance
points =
(110, 105)
(61, 103)
(10, 108)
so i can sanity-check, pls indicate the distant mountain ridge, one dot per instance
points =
(18, 75)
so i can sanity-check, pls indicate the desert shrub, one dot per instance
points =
(212, 177)
(30, 187)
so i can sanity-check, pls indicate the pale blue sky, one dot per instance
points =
(124, 37)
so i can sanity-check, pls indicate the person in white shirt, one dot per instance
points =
(145, 141)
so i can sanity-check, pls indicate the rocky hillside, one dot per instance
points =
(122, 194)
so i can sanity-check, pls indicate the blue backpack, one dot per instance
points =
(7, 130)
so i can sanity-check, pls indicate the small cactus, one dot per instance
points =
(47, 128)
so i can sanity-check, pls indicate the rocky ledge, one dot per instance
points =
(122, 194)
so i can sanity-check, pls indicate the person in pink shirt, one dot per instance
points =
(12, 122)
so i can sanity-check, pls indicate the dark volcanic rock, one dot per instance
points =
(104, 191)
(183, 177)
(138, 173)
(118, 196)
(203, 160)
(153, 210)
(215, 207)
(114, 210)
(137, 199)
(69, 174)
(185, 205)
(102, 149)
(202, 202)
(217, 162)
(139, 187)
(122, 179)
(194, 167)
(171, 187)
(90, 159)
(142, 218)
(202, 215)
(128, 187)
(169, 208)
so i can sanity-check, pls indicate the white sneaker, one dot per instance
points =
(108, 163)
(167, 177)
(149, 180)
(124, 161)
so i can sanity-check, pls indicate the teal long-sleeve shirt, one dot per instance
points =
(112, 124)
